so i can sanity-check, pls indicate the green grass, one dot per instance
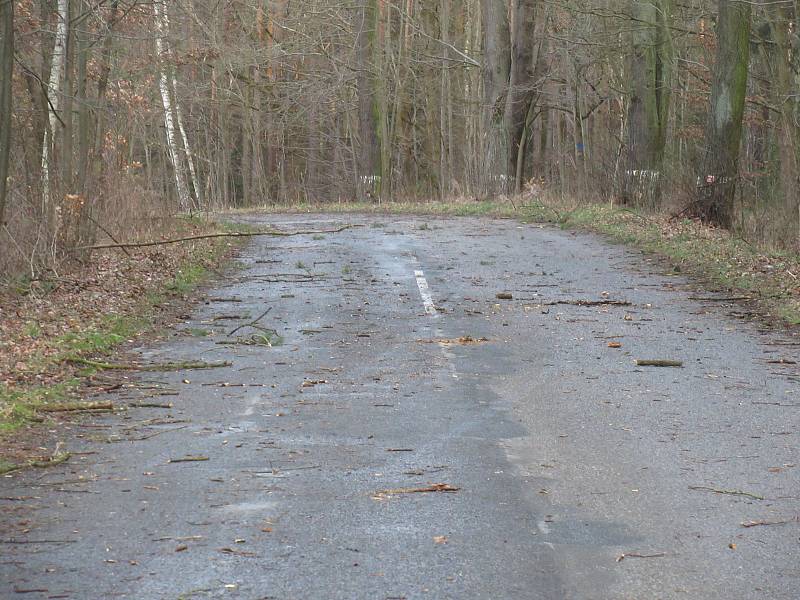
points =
(18, 405)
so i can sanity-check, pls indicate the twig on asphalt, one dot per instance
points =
(251, 323)
(761, 523)
(705, 488)
(623, 556)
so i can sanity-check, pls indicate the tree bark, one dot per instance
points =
(650, 75)
(496, 72)
(724, 130)
(366, 31)
(169, 117)
(522, 82)
(6, 77)
(53, 98)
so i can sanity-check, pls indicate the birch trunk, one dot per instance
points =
(53, 95)
(169, 118)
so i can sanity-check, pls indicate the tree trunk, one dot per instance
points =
(53, 97)
(788, 133)
(496, 72)
(366, 30)
(724, 130)
(522, 81)
(650, 76)
(169, 118)
(6, 76)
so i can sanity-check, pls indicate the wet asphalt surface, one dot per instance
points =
(578, 474)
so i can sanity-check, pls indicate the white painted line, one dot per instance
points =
(425, 293)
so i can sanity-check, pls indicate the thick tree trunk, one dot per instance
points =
(522, 82)
(724, 130)
(648, 111)
(496, 72)
(6, 76)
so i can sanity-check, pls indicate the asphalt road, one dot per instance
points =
(574, 472)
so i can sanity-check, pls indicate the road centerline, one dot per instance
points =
(425, 293)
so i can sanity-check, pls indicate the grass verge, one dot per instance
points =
(91, 313)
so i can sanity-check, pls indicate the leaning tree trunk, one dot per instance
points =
(648, 111)
(724, 130)
(6, 73)
(496, 70)
(169, 118)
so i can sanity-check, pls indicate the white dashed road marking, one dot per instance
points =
(425, 293)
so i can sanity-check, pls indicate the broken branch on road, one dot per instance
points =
(705, 488)
(648, 362)
(232, 234)
(168, 366)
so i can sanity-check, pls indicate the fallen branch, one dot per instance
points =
(150, 405)
(588, 303)
(623, 556)
(646, 362)
(434, 488)
(77, 407)
(760, 523)
(56, 459)
(720, 299)
(207, 236)
(189, 459)
(729, 492)
(177, 366)
(251, 323)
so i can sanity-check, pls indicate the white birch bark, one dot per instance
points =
(169, 119)
(53, 96)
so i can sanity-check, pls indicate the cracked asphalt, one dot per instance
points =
(300, 470)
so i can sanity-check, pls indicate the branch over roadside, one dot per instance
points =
(233, 234)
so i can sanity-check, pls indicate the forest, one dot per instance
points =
(114, 113)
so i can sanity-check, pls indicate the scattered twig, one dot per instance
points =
(233, 552)
(646, 362)
(15, 541)
(169, 366)
(150, 405)
(434, 488)
(189, 459)
(625, 555)
(720, 299)
(251, 323)
(232, 234)
(729, 492)
(588, 303)
(760, 523)
(77, 407)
